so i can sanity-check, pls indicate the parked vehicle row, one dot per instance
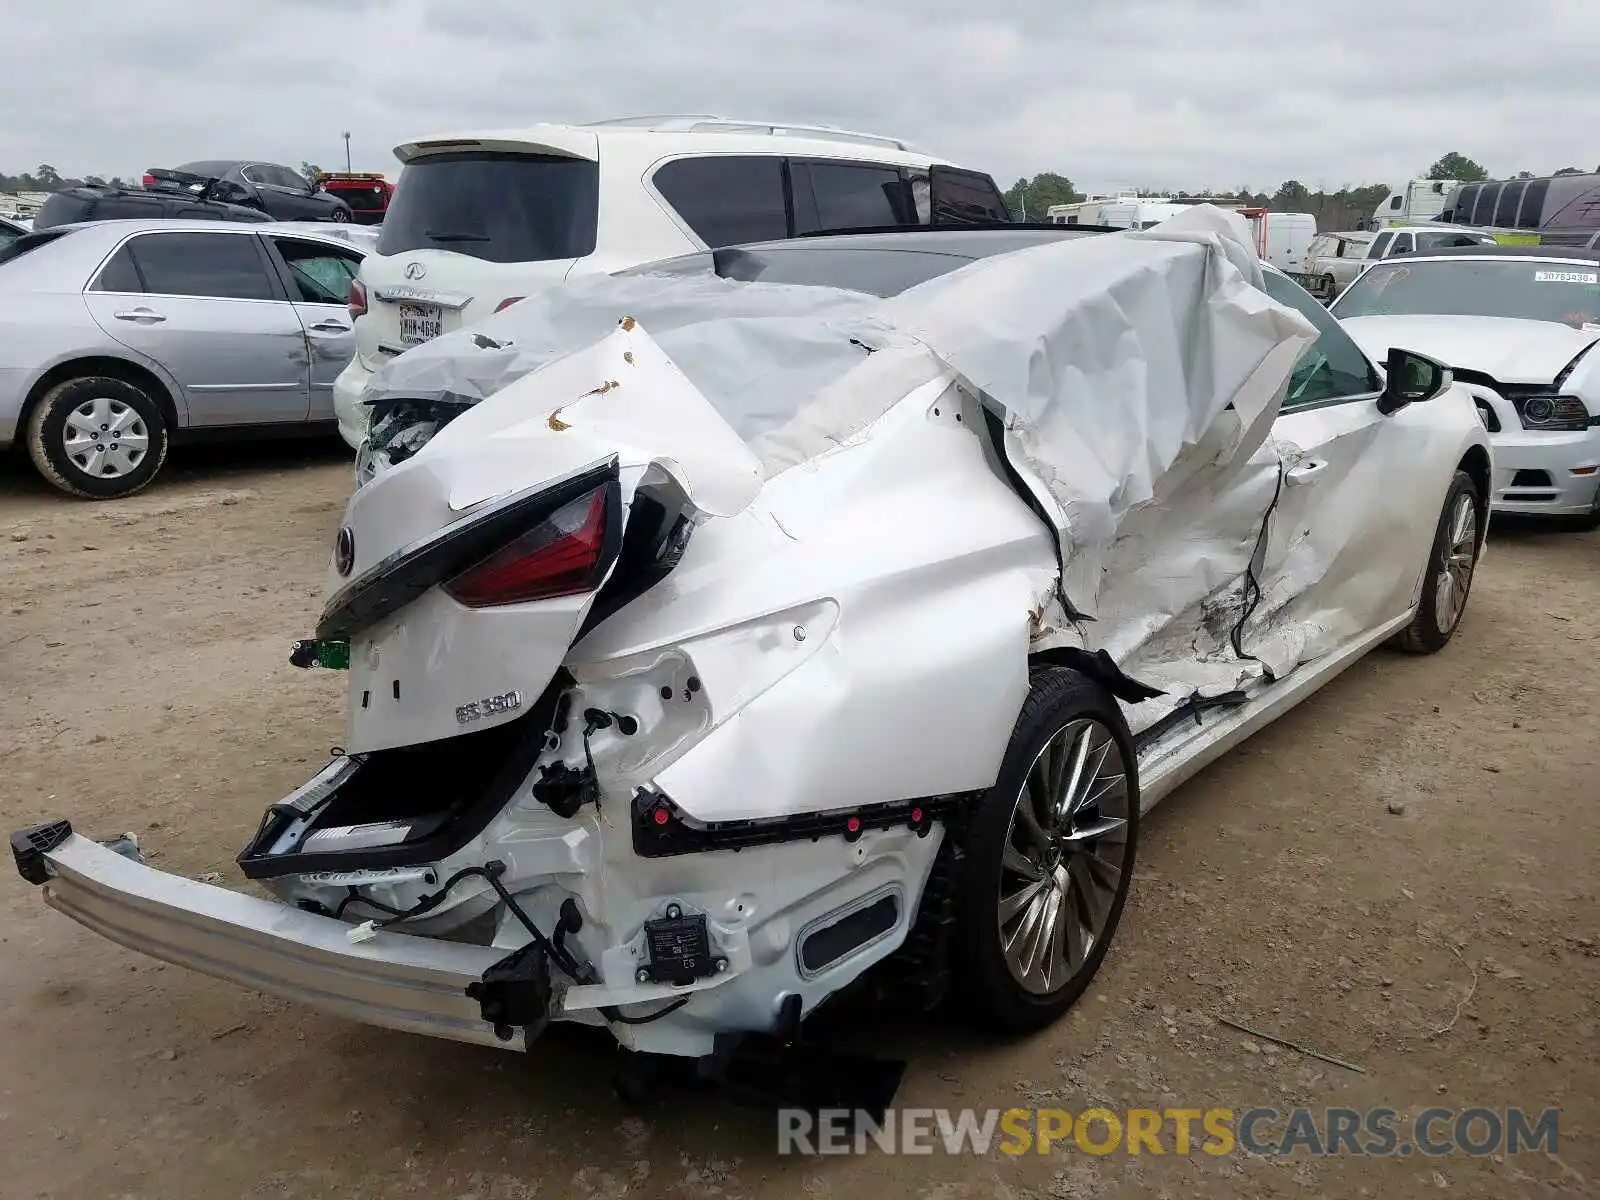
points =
(1334, 260)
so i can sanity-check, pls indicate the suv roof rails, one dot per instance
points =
(708, 123)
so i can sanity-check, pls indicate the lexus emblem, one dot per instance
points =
(344, 551)
(415, 270)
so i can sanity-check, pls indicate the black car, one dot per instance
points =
(97, 203)
(281, 192)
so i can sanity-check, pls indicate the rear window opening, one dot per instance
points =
(495, 206)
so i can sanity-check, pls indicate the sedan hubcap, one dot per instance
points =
(105, 438)
(1455, 572)
(1065, 854)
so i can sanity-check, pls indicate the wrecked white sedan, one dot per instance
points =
(733, 631)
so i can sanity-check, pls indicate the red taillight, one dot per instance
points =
(148, 181)
(507, 303)
(357, 299)
(558, 557)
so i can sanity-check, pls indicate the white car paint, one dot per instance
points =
(1538, 472)
(635, 222)
(852, 622)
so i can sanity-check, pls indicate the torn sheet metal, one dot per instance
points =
(1137, 377)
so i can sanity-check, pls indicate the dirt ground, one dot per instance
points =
(1402, 873)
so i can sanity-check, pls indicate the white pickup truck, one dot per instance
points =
(1335, 259)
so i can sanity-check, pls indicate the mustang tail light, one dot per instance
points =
(1553, 413)
(563, 555)
(357, 299)
(507, 303)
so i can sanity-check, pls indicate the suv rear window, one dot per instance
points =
(499, 207)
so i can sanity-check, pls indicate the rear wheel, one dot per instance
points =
(1451, 564)
(1049, 856)
(97, 436)
(340, 215)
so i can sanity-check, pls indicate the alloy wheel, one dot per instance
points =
(1065, 854)
(1455, 569)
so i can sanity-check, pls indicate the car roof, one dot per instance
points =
(880, 262)
(1548, 253)
(677, 135)
(122, 228)
(214, 166)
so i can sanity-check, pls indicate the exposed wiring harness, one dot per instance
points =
(556, 950)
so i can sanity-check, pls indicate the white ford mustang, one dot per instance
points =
(1517, 325)
(751, 625)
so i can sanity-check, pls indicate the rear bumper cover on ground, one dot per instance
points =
(392, 979)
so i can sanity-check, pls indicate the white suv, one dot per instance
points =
(477, 221)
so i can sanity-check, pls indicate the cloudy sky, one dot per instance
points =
(1151, 93)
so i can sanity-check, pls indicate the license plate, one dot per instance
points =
(419, 323)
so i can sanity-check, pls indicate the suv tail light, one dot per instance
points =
(563, 555)
(148, 181)
(357, 299)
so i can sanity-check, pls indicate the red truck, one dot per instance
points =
(366, 192)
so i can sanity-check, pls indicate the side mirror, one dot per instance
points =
(1411, 379)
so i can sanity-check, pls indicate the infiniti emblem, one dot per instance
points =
(344, 551)
(415, 270)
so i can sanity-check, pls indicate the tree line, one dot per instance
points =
(1346, 208)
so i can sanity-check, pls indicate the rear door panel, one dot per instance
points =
(240, 357)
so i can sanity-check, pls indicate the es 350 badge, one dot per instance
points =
(489, 706)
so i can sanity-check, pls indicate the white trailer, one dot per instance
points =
(1414, 201)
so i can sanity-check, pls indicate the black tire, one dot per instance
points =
(993, 995)
(339, 215)
(46, 432)
(1430, 631)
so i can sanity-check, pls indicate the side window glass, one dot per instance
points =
(119, 275)
(124, 208)
(1332, 367)
(255, 173)
(224, 266)
(1395, 202)
(835, 195)
(321, 274)
(1402, 244)
(728, 199)
(1380, 245)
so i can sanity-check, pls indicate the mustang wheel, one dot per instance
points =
(1049, 855)
(1451, 564)
(98, 437)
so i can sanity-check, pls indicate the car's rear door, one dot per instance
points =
(317, 276)
(210, 308)
(1345, 543)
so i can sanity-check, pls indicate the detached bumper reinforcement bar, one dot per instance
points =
(392, 979)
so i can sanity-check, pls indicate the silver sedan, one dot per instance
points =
(118, 336)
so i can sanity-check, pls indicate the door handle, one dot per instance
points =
(331, 327)
(1304, 472)
(143, 315)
